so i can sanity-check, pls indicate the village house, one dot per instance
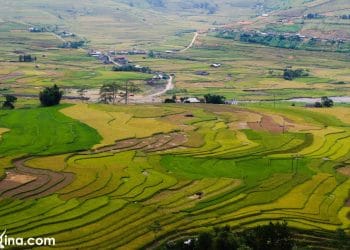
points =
(94, 53)
(121, 60)
(66, 34)
(192, 100)
(215, 65)
(231, 102)
(36, 29)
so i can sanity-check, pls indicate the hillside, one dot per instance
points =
(123, 21)
(325, 19)
(138, 21)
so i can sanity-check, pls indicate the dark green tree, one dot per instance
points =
(318, 105)
(151, 54)
(341, 239)
(9, 102)
(205, 241)
(270, 237)
(214, 99)
(171, 100)
(326, 102)
(50, 96)
(290, 74)
(109, 92)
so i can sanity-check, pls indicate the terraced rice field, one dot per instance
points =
(97, 177)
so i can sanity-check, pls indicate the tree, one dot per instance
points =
(151, 54)
(318, 105)
(205, 241)
(50, 96)
(9, 102)
(214, 99)
(171, 100)
(341, 238)
(109, 92)
(26, 58)
(290, 74)
(270, 237)
(326, 102)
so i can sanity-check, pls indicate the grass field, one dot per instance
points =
(222, 165)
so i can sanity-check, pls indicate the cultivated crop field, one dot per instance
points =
(97, 176)
(248, 71)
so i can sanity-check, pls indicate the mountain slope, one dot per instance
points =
(112, 23)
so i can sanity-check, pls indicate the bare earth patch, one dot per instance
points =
(344, 170)
(267, 123)
(19, 178)
(23, 182)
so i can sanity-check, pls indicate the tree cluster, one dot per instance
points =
(313, 16)
(290, 74)
(9, 102)
(210, 7)
(157, 3)
(110, 93)
(288, 41)
(73, 44)
(26, 58)
(130, 67)
(50, 96)
(325, 102)
(171, 100)
(345, 16)
(270, 237)
(214, 99)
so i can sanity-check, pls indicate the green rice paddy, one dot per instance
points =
(227, 172)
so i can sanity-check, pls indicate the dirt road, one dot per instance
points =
(192, 42)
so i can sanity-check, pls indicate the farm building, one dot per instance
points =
(192, 100)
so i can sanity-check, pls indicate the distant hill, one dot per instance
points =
(135, 22)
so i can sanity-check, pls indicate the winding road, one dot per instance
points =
(155, 97)
(169, 86)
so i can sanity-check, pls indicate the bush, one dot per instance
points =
(290, 74)
(50, 96)
(318, 105)
(214, 99)
(172, 100)
(9, 102)
(326, 102)
(168, 100)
